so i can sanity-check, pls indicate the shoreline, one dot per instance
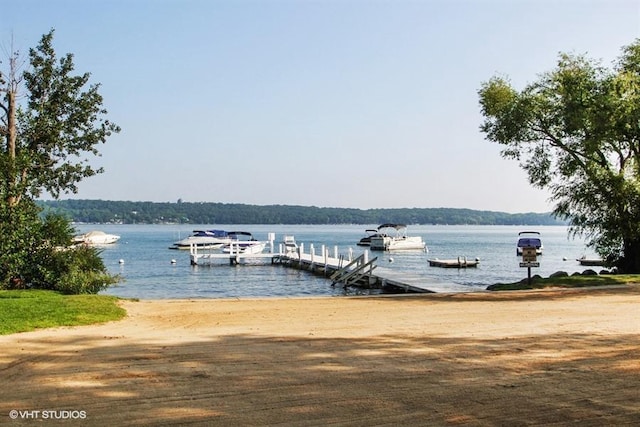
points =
(498, 358)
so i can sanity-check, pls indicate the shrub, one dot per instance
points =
(84, 282)
(78, 270)
(35, 252)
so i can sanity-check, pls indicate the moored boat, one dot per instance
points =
(96, 237)
(591, 262)
(243, 242)
(393, 237)
(460, 262)
(203, 239)
(529, 239)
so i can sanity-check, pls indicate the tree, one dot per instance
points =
(61, 122)
(576, 131)
(45, 135)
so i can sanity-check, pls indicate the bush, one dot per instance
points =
(35, 252)
(84, 282)
(78, 270)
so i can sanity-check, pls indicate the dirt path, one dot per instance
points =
(518, 358)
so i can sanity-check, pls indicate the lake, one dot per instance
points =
(149, 272)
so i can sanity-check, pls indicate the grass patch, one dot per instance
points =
(26, 310)
(577, 281)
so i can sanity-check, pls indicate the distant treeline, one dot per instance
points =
(123, 212)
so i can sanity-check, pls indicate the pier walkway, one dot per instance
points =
(342, 269)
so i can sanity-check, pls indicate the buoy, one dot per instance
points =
(390, 259)
(173, 261)
(564, 258)
(121, 261)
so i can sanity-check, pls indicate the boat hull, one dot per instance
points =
(245, 248)
(96, 238)
(200, 242)
(204, 239)
(591, 262)
(387, 243)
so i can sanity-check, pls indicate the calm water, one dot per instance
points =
(150, 274)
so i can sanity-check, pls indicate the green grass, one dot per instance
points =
(577, 281)
(22, 311)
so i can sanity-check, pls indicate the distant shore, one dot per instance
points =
(485, 358)
(127, 212)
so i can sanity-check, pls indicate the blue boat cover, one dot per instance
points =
(529, 242)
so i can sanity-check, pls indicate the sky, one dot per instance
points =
(330, 103)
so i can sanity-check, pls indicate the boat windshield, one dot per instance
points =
(241, 235)
(210, 233)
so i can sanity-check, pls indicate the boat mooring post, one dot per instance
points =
(271, 237)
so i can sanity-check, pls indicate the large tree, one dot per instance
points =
(47, 136)
(50, 122)
(576, 131)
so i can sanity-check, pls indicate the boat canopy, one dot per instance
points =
(529, 242)
(396, 226)
(529, 239)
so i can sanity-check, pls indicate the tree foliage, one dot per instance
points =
(50, 120)
(576, 131)
(61, 123)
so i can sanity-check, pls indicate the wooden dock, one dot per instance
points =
(345, 269)
(408, 282)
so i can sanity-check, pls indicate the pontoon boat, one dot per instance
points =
(385, 241)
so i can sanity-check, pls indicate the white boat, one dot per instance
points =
(204, 239)
(393, 237)
(591, 262)
(95, 237)
(529, 239)
(243, 242)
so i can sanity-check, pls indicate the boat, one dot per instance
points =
(243, 242)
(460, 262)
(203, 239)
(529, 239)
(366, 241)
(393, 237)
(591, 262)
(95, 237)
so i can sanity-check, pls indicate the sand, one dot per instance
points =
(554, 357)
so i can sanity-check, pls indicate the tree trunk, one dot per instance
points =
(12, 135)
(630, 262)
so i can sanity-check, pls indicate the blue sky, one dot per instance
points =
(337, 103)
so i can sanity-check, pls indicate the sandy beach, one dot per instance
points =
(555, 357)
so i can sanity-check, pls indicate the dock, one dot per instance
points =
(344, 269)
(235, 256)
(460, 262)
